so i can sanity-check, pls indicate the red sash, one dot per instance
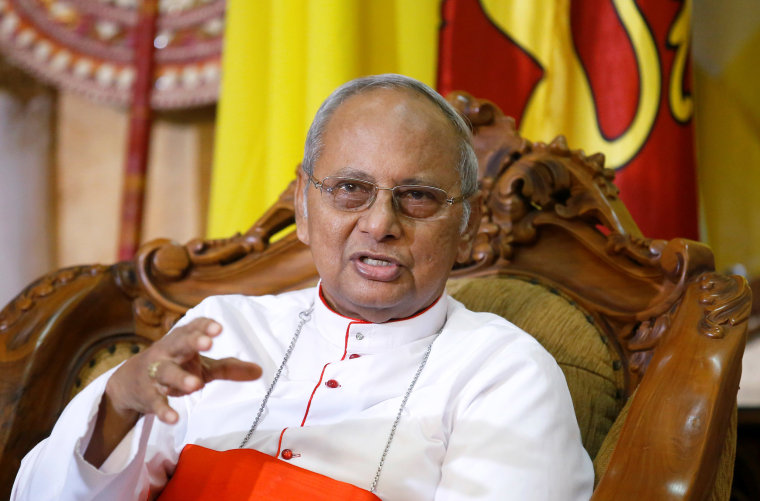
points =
(245, 474)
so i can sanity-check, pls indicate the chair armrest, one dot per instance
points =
(680, 414)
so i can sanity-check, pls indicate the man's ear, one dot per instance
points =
(302, 220)
(468, 235)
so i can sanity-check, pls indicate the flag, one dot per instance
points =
(613, 76)
(727, 69)
(281, 59)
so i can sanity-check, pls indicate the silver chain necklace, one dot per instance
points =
(304, 317)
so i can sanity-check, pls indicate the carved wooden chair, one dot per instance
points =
(649, 336)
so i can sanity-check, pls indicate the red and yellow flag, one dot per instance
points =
(611, 75)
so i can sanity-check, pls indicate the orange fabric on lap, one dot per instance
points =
(245, 474)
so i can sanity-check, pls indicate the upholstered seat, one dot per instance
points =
(649, 337)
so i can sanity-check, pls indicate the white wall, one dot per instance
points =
(26, 225)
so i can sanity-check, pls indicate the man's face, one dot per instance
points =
(376, 264)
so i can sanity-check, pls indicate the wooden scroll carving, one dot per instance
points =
(627, 282)
(45, 286)
(725, 304)
(175, 277)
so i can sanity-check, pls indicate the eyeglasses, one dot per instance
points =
(413, 201)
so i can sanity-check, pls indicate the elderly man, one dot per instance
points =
(374, 385)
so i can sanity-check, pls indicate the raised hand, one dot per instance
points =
(172, 366)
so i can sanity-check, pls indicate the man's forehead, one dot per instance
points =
(390, 136)
(401, 102)
(385, 112)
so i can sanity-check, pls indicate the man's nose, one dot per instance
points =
(380, 220)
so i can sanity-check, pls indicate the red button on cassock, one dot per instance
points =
(332, 383)
(354, 355)
(287, 454)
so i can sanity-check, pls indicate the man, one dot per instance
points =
(375, 379)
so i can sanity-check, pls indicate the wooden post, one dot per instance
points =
(133, 192)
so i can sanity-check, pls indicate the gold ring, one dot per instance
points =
(153, 369)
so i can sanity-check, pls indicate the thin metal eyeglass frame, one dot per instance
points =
(449, 200)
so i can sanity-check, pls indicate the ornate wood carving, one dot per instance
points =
(537, 192)
(726, 302)
(46, 333)
(41, 288)
(642, 341)
(165, 268)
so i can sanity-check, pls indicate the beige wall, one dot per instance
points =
(26, 219)
(61, 164)
(90, 156)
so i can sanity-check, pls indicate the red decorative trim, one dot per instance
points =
(322, 375)
(308, 405)
(279, 442)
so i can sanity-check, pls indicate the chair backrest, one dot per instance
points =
(657, 322)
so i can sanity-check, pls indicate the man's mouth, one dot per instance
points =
(375, 262)
(377, 268)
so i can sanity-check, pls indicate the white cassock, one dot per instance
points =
(490, 417)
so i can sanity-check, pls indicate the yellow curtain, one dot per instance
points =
(281, 59)
(727, 110)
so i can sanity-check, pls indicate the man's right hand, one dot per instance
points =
(172, 366)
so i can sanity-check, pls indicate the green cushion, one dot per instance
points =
(102, 361)
(592, 371)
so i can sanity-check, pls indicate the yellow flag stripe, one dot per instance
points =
(281, 59)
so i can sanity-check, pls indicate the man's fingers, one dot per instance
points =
(173, 367)
(230, 369)
(160, 407)
(189, 339)
(175, 379)
(206, 325)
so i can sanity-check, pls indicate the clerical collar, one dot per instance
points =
(366, 337)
